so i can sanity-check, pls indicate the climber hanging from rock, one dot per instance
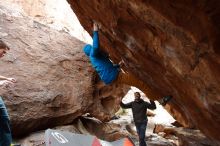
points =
(109, 72)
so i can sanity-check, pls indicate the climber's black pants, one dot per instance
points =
(141, 129)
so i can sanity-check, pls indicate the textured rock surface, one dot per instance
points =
(173, 46)
(105, 131)
(189, 137)
(185, 136)
(55, 82)
(53, 13)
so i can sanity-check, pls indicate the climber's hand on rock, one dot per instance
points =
(95, 26)
(11, 80)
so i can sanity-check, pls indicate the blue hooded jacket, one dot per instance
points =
(107, 71)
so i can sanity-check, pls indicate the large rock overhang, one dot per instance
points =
(170, 45)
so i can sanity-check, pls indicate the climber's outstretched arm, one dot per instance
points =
(95, 48)
(150, 105)
(3, 78)
(127, 105)
(8, 79)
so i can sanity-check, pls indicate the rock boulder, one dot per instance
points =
(173, 46)
(55, 81)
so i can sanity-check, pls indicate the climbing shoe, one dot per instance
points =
(165, 99)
